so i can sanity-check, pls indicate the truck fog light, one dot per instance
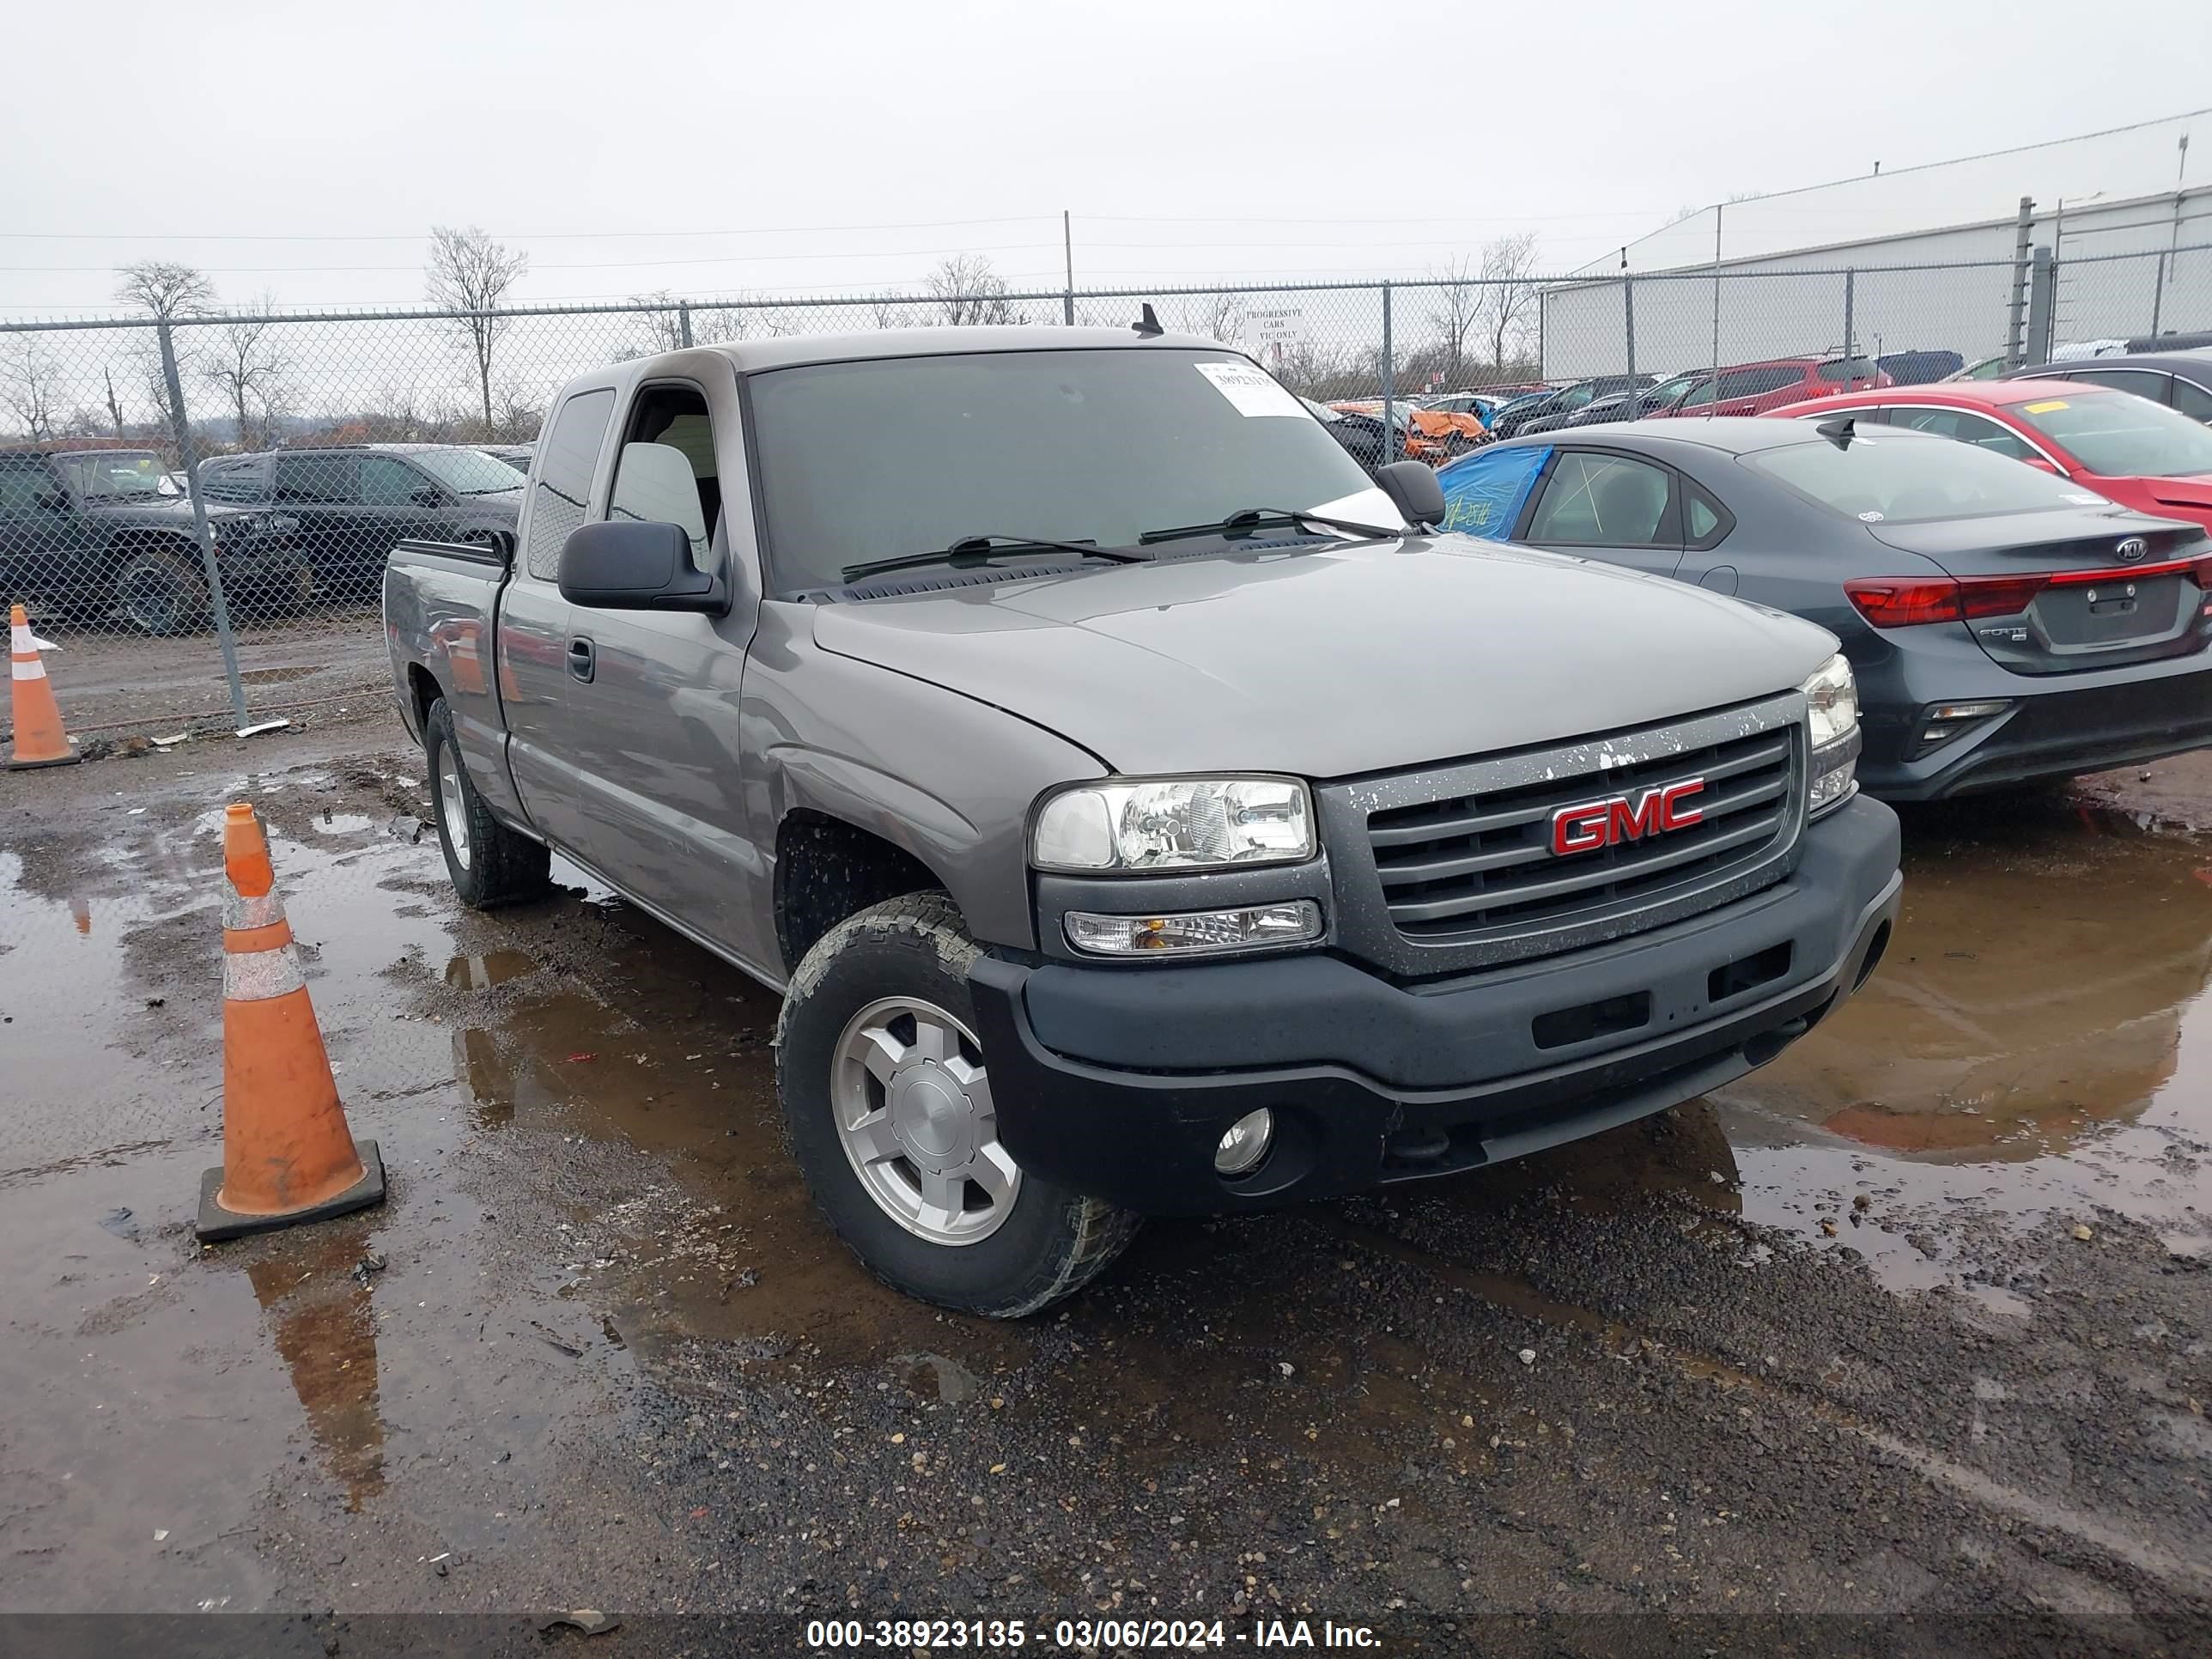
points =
(1246, 1143)
(1194, 932)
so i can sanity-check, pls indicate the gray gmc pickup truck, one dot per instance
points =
(1138, 810)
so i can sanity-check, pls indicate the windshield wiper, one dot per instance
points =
(971, 550)
(1255, 518)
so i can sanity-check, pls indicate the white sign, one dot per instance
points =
(1275, 324)
(1253, 391)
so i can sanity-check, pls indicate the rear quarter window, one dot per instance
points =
(566, 459)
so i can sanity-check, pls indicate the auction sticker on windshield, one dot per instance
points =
(1254, 391)
(2045, 408)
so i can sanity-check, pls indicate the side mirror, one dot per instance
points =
(1413, 490)
(626, 565)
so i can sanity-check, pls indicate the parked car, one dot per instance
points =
(1919, 367)
(1982, 368)
(2121, 446)
(1137, 812)
(1565, 401)
(1361, 437)
(1756, 388)
(89, 534)
(353, 504)
(1483, 405)
(2180, 379)
(516, 455)
(2004, 624)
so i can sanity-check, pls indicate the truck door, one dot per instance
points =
(533, 672)
(42, 535)
(652, 719)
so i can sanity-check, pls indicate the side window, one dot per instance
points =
(2192, 400)
(667, 472)
(1484, 493)
(566, 457)
(315, 479)
(2142, 381)
(1975, 429)
(1699, 395)
(387, 482)
(1705, 522)
(23, 488)
(1605, 499)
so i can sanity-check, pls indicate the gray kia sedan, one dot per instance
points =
(2004, 624)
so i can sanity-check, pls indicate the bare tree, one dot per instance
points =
(1507, 265)
(164, 289)
(1459, 308)
(661, 317)
(28, 387)
(246, 364)
(469, 272)
(1216, 316)
(114, 403)
(967, 290)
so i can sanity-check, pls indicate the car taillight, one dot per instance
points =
(1907, 601)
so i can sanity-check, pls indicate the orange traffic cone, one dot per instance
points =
(39, 739)
(287, 1154)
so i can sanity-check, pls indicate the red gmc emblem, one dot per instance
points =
(1652, 811)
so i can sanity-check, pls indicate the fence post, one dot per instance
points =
(2042, 293)
(1850, 277)
(1387, 377)
(188, 456)
(683, 324)
(2017, 330)
(1628, 322)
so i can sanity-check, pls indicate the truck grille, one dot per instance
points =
(1479, 864)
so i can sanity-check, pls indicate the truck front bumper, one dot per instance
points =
(1120, 1082)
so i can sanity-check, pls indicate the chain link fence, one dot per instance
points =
(197, 510)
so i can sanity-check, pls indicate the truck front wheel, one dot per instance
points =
(162, 589)
(887, 1108)
(490, 864)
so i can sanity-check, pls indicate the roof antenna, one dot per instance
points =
(1148, 323)
(1839, 433)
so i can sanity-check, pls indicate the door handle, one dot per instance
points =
(581, 660)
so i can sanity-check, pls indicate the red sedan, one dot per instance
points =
(2137, 453)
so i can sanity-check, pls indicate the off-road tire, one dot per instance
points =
(1052, 1243)
(501, 867)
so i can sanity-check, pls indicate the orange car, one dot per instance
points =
(1430, 435)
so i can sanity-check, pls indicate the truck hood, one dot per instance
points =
(1333, 661)
(162, 511)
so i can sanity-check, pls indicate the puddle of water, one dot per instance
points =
(490, 968)
(2035, 1040)
(341, 823)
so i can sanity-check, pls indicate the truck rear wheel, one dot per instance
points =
(887, 1109)
(490, 864)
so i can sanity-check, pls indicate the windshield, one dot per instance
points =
(862, 461)
(107, 474)
(1899, 477)
(2118, 435)
(466, 472)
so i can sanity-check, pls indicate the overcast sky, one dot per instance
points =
(715, 149)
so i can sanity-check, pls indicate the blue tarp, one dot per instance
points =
(1484, 492)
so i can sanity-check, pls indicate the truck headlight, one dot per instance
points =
(1832, 712)
(1173, 823)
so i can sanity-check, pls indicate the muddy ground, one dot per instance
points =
(118, 683)
(1903, 1344)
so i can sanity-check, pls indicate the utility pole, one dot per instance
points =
(1067, 248)
(2173, 240)
(1713, 402)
